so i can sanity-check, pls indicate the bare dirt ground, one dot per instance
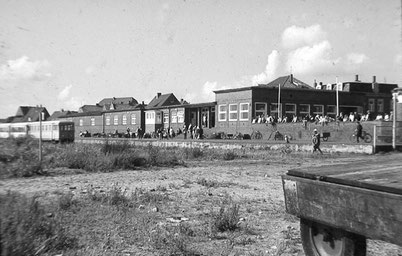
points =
(255, 184)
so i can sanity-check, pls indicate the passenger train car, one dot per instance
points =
(56, 131)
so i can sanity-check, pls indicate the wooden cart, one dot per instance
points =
(339, 206)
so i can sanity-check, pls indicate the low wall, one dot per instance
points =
(237, 144)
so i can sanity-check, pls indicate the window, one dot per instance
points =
(260, 109)
(92, 121)
(290, 109)
(166, 117)
(173, 114)
(273, 109)
(107, 120)
(133, 118)
(318, 110)
(232, 112)
(158, 118)
(304, 109)
(371, 105)
(116, 120)
(124, 120)
(180, 116)
(244, 110)
(81, 122)
(380, 105)
(222, 112)
(331, 110)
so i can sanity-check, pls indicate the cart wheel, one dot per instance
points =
(368, 138)
(322, 240)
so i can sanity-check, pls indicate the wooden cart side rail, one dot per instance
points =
(373, 214)
(381, 175)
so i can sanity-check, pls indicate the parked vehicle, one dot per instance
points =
(56, 131)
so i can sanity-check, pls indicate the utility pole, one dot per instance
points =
(337, 97)
(279, 101)
(40, 135)
(394, 96)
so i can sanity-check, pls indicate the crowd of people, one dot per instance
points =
(322, 119)
(190, 131)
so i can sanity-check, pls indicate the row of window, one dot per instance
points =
(380, 105)
(236, 112)
(176, 116)
(124, 120)
(241, 112)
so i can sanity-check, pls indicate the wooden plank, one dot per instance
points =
(369, 175)
(340, 169)
(374, 214)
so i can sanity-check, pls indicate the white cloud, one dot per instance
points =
(74, 103)
(24, 69)
(90, 70)
(312, 59)
(356, 58)
(65, 92)
(398, 59)
(270, 71)
(294, 37)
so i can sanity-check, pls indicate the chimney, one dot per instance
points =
(315, 83)
(158, 95)
(357, 78)
(143, 103)
(291, 78)
(181, 101)
(374, 85)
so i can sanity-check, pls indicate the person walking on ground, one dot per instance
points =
(316, 141)
(359, 131)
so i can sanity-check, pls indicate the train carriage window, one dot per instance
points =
(116, 120)
(81, 122)
(107, 120)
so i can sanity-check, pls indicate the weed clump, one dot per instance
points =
(26, 229)
(230, 155)
(227, 219)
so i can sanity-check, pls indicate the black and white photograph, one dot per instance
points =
(201, 127)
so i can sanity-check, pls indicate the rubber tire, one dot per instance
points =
(368, 138)
(354, 245)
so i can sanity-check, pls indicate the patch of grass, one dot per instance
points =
(230, 155)
(227, 218)
(26, 229)
(66, 201)
(213, 183)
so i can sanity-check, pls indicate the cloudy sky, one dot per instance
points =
(66, 53)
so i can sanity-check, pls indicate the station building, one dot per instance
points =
(288, 96)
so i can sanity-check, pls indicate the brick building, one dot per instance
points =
(288, 96)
